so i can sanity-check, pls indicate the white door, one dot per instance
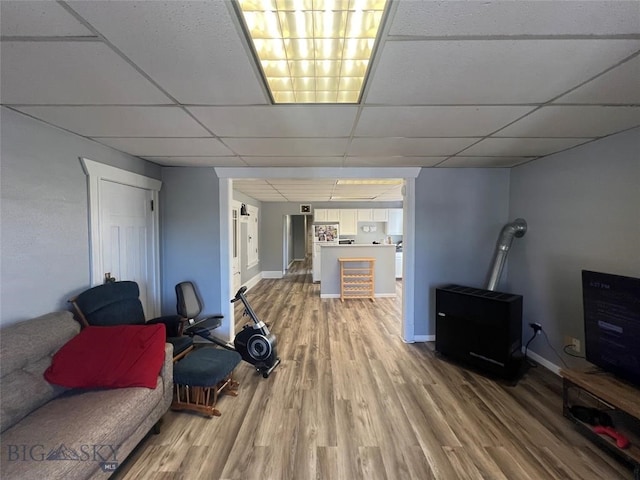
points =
(235, 248)
(126, 226)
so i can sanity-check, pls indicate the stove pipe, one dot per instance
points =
(517, 228)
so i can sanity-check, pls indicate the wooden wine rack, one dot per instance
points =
(357, 278)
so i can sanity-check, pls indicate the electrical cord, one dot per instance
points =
(567, 350)
(526, 347)
(554, 350)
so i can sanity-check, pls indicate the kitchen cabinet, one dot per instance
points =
(333, 215)
(394, 224)
(320, 215)
(372, 215)
(398, 264)
(365, 215)
(348, 222)
(380, 214)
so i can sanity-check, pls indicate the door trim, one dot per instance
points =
(96, 173)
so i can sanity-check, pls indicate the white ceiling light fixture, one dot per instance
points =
(313, 51)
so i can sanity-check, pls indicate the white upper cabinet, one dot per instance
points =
(365, 215)
(380, 214)
(333, 215)
(348, 221)
(394, 224)
(320, 215)
(373, 215)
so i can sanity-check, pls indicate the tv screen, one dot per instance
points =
(612, 323)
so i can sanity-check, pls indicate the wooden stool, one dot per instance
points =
(201, 377)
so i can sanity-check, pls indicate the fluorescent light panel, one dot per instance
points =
(313, 51)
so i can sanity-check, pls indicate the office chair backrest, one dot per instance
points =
(189, 305)
(114, 303)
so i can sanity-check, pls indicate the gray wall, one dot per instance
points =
(583, 211)
(459, 214)
(44, 214)
(190, 233)
(298, 234)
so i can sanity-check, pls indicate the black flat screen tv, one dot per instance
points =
(612, 323)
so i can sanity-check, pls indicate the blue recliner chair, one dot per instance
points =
(118, 303)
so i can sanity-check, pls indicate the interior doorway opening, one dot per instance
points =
(298, 175)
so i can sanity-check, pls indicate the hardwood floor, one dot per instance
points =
(350, 400)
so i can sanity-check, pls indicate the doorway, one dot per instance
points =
(409, 174)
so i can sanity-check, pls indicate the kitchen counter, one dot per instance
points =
(385, 278)
(361, 245)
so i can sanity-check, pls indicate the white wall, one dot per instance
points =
(44, 214)
(582, 207)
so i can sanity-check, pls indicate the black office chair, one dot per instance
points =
(118, 303)
(189, 307)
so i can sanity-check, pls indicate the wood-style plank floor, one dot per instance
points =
(351, 401)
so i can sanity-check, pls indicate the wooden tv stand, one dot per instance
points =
(608, 393)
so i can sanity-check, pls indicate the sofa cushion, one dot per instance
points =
(80, 430)
(26, 349)
(110, 357)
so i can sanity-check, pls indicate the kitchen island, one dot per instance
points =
(384, 255)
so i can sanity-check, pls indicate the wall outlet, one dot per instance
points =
(574, 343)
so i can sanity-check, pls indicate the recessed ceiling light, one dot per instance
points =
(313, 51)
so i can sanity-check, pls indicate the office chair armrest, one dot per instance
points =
(173, 324)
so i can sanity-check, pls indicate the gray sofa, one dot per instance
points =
(50, 432)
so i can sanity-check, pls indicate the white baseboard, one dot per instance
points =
(424, 338)
(272, 274)
(377, 295)
(252, 282)
(543, 361)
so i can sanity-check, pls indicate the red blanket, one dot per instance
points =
(110, 357)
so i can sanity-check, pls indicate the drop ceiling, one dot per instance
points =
(454, 84)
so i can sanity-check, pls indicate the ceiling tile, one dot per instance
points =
(619, 85)
(198, 161)
(521, 147)
(489, 71)
(38, 19)
(483, 162)
(573, 121)
(192, 49)
(395, 146)
(591, 17)
(120, 121)
(287, 146)
(281, 161)
(159, 147)
(392, 161)
(467, 121)
(72, 73)
(278, 121)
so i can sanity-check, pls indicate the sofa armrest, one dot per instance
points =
(166, 372)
